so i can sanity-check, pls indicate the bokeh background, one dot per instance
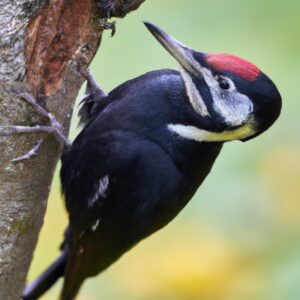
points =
(239, 237)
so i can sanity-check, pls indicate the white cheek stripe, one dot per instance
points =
(200, 135)
(193, 94)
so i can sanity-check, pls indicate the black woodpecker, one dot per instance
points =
(145, 149)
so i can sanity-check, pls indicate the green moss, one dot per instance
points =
(18, 226)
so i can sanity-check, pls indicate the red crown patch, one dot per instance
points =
(234, 64)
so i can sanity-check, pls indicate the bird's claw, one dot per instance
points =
(54, 128)
(104, 24)
(30, 154)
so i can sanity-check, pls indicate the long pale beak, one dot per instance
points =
(182, 53)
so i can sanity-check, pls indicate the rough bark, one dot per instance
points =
(45, 48)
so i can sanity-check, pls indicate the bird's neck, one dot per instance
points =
(195, 159)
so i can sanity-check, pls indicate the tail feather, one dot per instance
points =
(71, 289)
(73, 275)
(40, 285)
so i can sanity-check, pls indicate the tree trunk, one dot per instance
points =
(45, 48)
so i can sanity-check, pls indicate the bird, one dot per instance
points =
(145, 149)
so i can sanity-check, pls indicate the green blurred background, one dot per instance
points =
(239, 237)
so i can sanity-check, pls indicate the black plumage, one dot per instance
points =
(150, 180)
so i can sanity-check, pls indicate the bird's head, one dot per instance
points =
(233, 96)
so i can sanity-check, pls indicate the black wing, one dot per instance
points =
(114, 168)
(87, 175)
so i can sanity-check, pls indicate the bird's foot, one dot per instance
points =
(93, 95)
(54, 128)
(93, 87)
(104, 24)
(30, 154)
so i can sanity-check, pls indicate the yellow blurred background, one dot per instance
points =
(238, 239)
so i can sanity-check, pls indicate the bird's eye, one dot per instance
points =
(224, 83)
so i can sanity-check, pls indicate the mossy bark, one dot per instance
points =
(45, 48)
